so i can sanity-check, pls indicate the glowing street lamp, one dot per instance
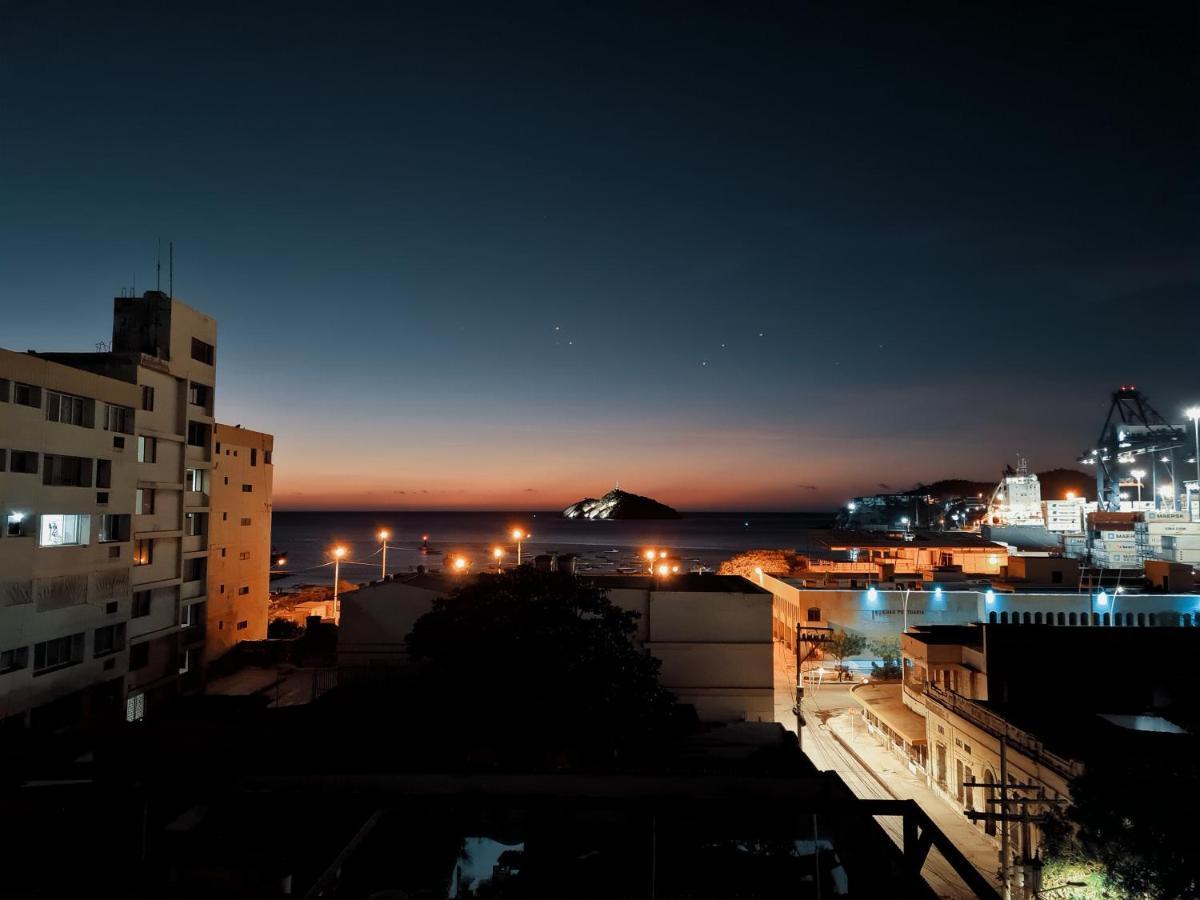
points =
(651, 555)
(498, 553)
(664, 570)
(338, 553)
(1139, 474)
(384, 534)
(460, 564)
(1193, 413)
(518, 535)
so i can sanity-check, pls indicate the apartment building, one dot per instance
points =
(68, 474)
(239, 538)
(106, 500)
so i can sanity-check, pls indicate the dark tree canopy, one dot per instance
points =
(1133, 815)
(541, 664)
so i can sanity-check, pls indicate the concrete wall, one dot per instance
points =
(716, 647)
(234, 616)
(881, 615)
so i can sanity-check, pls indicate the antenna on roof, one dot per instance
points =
(171, 268)
(158, 268)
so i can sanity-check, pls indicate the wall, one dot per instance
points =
(240, 458)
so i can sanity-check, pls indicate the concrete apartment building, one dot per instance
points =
(239, 538)
(68, 474)
(106, 498)
(712, 633)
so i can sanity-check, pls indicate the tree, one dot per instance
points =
(888, 650)
(771, 562)
(843, 644)
(539, 665)
(1132, 815)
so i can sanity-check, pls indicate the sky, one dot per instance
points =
(741, 256)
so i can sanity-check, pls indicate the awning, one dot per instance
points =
(883, 701)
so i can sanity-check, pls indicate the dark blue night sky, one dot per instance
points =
(751, 256)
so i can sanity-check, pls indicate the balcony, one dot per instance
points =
(196, 453)
(195, 500)
(194, 543)
(190, 590)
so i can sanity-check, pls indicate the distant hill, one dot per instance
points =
(1056, 484)
(618, 504)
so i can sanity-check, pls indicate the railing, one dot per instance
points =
(998, 726)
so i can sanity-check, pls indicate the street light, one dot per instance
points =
(518, 535)
(651, 555)
(1139, 474)
(499, 554)
(1193, 413)
(338, 553)
(384, 534)
(460, 564)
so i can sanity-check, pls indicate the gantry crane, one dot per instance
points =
(1133, 428)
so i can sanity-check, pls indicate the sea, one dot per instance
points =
(700, 541)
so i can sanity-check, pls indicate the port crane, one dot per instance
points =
(1133, 428)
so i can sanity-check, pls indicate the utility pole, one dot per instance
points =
(815, 640)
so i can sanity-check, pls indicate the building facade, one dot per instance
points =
(239, 538)
(68, 474)
(105, 492)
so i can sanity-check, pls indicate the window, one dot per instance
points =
(243, 625)
(27, 395)
(247, 488)
(143, 501)
(23, 462)
(253, 456)
(135, 707)
(139, 656)
(218, 448)
(195, 524)
(3, 460)
(64, 530)
(199, 434)
(147, 449)
(814, 614)
(104, 473)
(199, 394)
(118, 418)
(110, 607)
(118, 442)
(195, 569)
(58, 653)
(141, 605)
(245, 520)
(244, 555)
(202, 352)
(4, 390)
(226, 479)
(114, 527)
(114, 552)
(143, 552)
(222, 553)
(108, 639)
(185, 616)
(185, 662)
(147, 398)
(18, 525)
(66, 471)
(193, 480)
(224, 517)
(267, 457)
(13, 660)
(69, 409)
(243, 590)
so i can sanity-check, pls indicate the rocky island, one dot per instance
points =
(619, 504)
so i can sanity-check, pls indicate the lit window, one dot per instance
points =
(64, 530)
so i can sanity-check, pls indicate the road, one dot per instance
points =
(828, 754)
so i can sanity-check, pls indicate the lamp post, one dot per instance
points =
(651, 556)
(518, 535)
(338, 553)
(1139, 474)
(499, 555)
(383, 537)
(1193, 413)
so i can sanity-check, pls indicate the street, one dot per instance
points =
(872, 774)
